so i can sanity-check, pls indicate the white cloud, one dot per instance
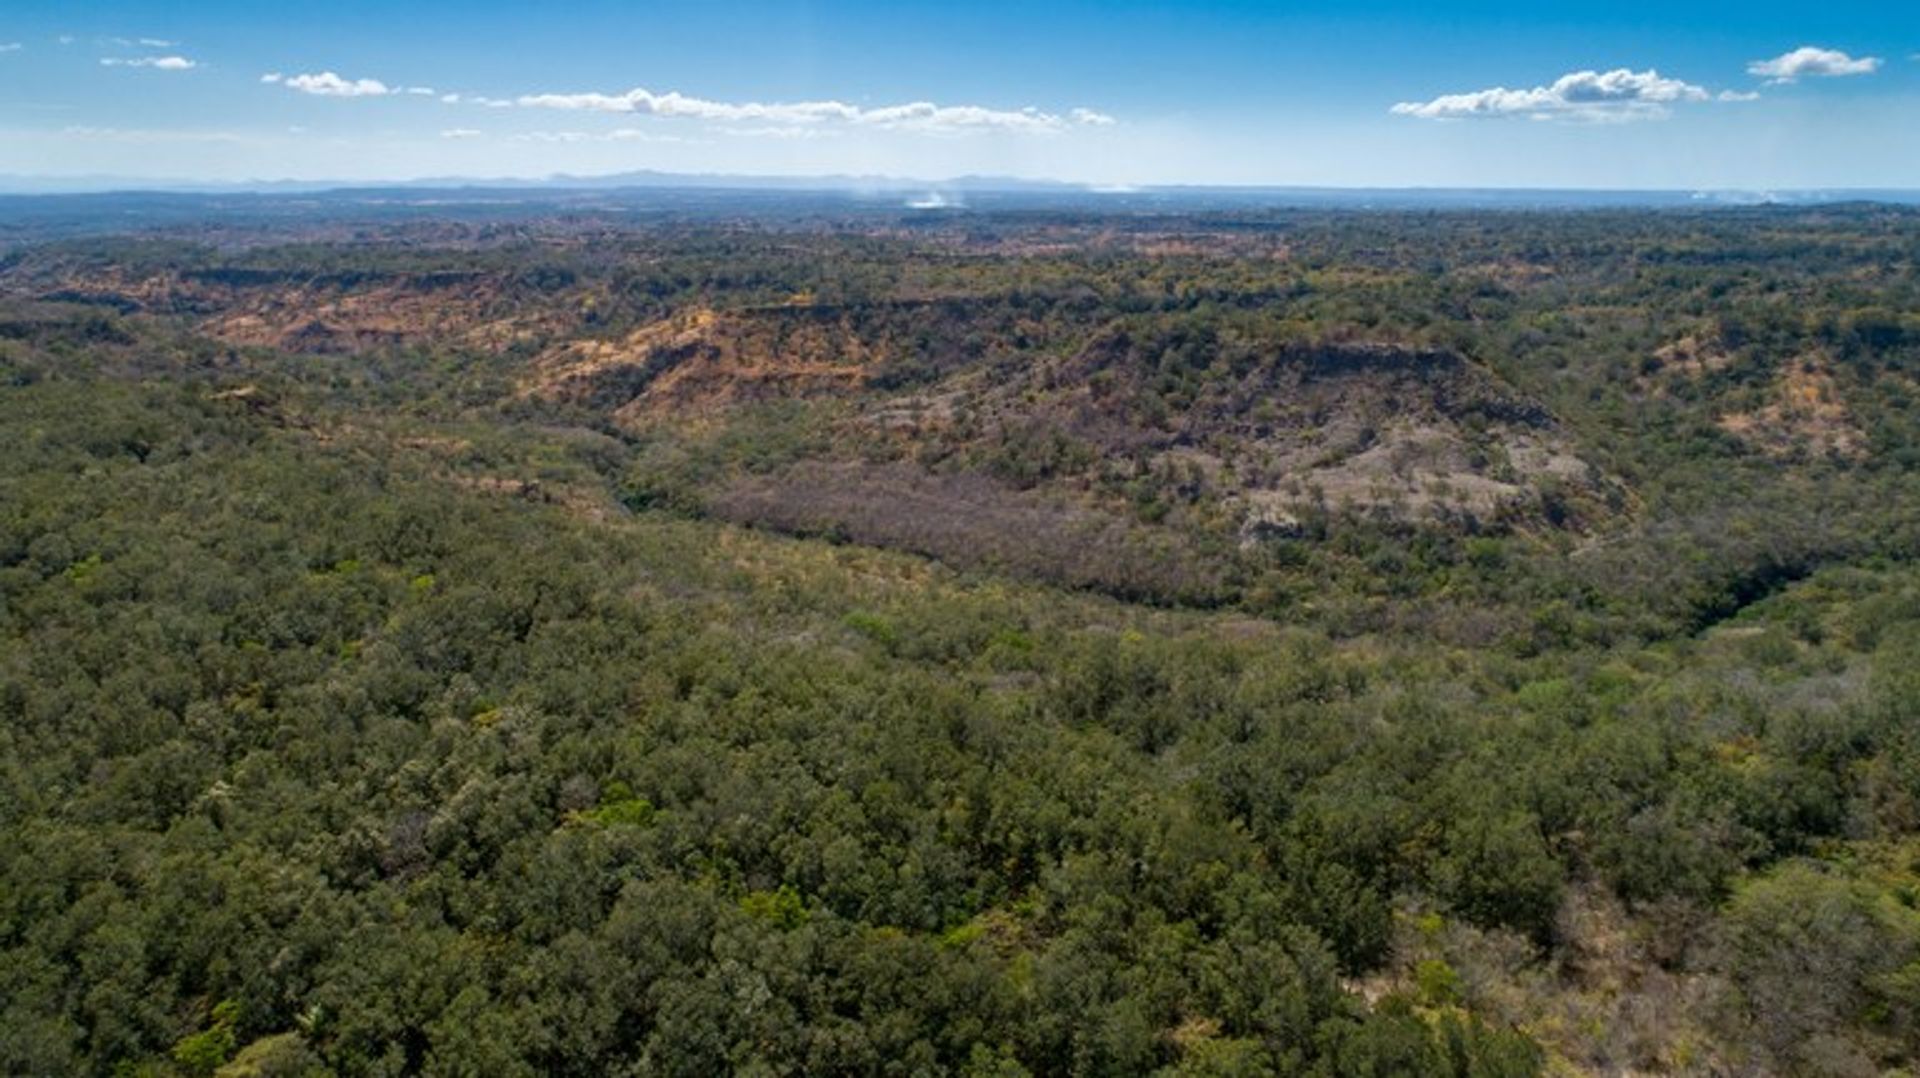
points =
(783, 132)
(158, 63)
(156, 43)
(1737, 95)
(1616, 95)
(622, 134)
(1810, 61)
(913, 116)
(65, 39)
(10, 46)
(460, 132)
(328, 84)
(148, 136)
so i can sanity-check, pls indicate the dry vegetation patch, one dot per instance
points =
(1806, 415)
(1693, 356)
(973, 521)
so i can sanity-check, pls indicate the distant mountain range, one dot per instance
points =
(957, 192)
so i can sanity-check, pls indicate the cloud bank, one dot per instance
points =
(1616, 95)
(913, 116)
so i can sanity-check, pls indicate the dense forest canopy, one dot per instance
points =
(1253, 642)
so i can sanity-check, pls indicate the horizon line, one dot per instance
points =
(24, 184)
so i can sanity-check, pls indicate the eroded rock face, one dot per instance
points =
(326, 315)
(1411, 435)
(1268, 520)
(317, 321)
(704, 360)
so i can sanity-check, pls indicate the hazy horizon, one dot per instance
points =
(875, 185)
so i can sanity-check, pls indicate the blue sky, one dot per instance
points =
(1755, 95)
